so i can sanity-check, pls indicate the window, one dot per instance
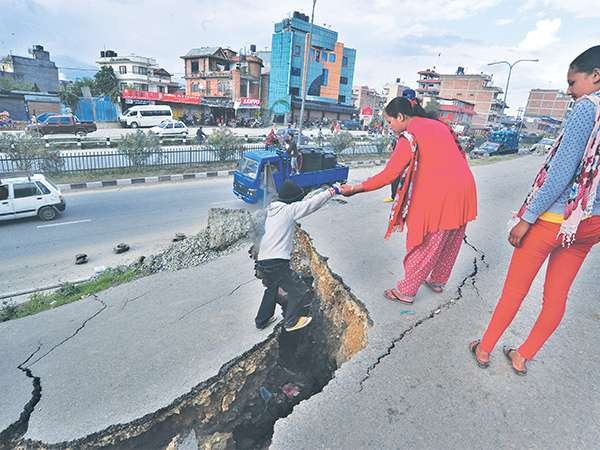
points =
(332, 57)
(179, 125)
(324, 56)
(53, 121)
(162, 112)
(297, 50)
(161, 89)
(195, 87)
(325, 77)
(296, 71)
(295, 91)
(318, 56)
(3, 192)
(341, 99)
(65, 121)
(343, 80)
(122, 69)
(195, 67)
(140, 70)
(345, 61)
(123, 85)
(42, 187)
(23, 190)
(147, 113)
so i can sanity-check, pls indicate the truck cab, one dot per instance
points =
(261, 173)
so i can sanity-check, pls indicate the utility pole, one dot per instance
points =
(510, 67)
(307, 48)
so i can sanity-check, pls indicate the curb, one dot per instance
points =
(179, 177)
(144, 180)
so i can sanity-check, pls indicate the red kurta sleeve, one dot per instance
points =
(398, 160)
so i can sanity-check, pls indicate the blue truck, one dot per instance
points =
(499, 142)
(261, 173)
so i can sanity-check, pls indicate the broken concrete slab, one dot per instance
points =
(416, 385)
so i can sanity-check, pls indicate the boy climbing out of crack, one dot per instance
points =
(273, 254)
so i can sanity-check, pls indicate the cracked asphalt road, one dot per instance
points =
(415, 385)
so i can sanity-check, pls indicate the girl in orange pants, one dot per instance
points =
(560, 219)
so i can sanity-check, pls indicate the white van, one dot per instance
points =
(29, 195)
(145, 116)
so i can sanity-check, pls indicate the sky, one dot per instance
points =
(393, 38)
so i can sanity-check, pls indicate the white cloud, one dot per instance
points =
(544, 34)
(503, 22)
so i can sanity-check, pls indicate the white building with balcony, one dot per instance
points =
(138, 72)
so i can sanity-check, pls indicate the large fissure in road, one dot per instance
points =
(239, 406)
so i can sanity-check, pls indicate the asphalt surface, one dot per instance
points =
(137, 346)
(416, 385)
(145, 217)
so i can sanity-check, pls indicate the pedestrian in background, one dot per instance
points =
(559, 221)
(436, 197)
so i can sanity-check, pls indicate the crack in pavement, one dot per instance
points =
(127, 302)
(16, 430)
(196, 308)
(81, 327)
(459, 295)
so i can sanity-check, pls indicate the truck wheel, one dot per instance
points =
(133, 125)
(47, 213)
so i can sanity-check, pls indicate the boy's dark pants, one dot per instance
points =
(275, 274)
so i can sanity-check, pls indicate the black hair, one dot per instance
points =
(587, 61)
(412, 108)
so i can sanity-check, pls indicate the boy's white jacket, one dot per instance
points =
(278, 240)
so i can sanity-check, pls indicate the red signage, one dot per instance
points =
(247, 101)
(160, 97)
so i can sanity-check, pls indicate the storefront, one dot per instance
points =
(247, 108)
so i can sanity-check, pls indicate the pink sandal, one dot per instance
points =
(394, 295)
(437, 288)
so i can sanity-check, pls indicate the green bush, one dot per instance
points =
(383, 143)
(341, 141)
(139, 147)
(225, 143)
(30, 153)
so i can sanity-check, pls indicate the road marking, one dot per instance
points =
(64, 223)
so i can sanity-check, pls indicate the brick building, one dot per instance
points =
(228, 83)
(457, 113)
(547, 102)
(476, 89)
(393, 90)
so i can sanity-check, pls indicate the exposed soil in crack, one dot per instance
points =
(470, 279)
(238, 407)
(10, 437)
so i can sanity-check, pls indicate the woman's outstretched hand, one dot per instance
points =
(347, 190)
(518, 233)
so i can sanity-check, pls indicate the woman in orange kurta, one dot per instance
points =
(436, 197)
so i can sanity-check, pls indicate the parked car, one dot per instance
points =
(285, 132)
(544, 144)
(170, 128)
(350, 125)
(62, 124)
(488, 149)
(23, 195)
(145, 116)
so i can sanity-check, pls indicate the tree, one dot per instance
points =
(70, 93)
(107, 83)
(225, 143)
(10, 84)
(139, 147)
(432, 107)
(341, 141)
(29, 153)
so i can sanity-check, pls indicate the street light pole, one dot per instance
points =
(308, 45)
(510, 68)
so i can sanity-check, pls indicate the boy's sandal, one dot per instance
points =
(507, 352)
(473, 349)
(434, 287)
(394, 295)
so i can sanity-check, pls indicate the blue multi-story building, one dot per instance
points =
(330, 72)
